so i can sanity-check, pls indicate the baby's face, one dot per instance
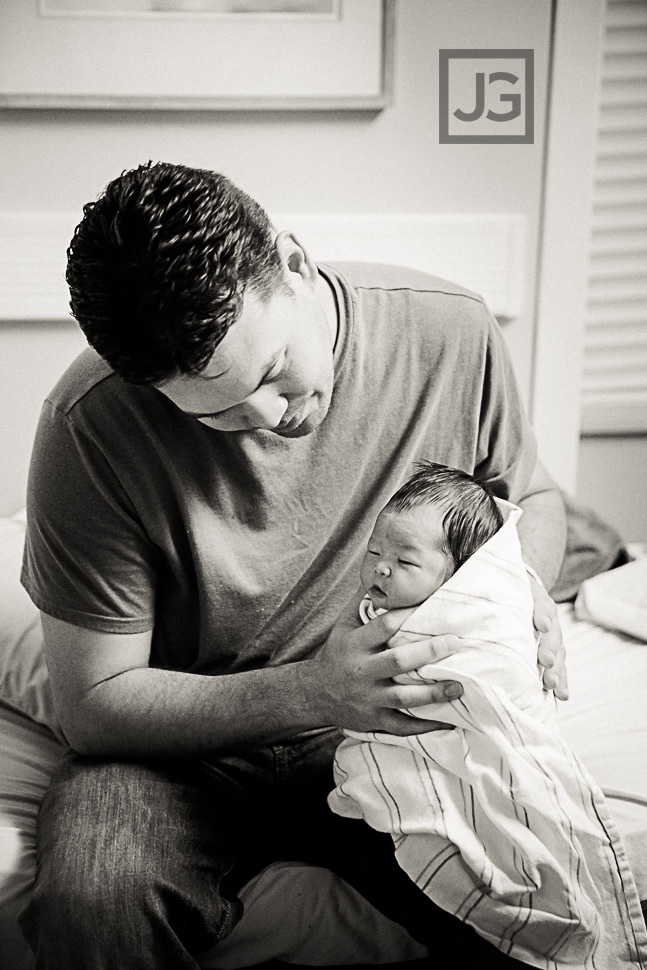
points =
(405, 561)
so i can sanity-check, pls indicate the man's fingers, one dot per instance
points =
(413, 696)
(561, 691)
(558, 683)
(542, 621)
(555, 676)
(550, 652)
(349, 616)
(544, 611)
(544, 614)
(378, 631)
(408, 657)
(552, 657)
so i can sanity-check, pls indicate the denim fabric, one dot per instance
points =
(139, 863)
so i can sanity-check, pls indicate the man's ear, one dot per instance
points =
(295, 259)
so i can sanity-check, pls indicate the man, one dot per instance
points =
(202, 485)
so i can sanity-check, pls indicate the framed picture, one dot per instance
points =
(196, 54)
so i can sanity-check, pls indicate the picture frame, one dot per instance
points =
(208, 55)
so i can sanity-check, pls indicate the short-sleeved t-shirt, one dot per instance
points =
(240, 549)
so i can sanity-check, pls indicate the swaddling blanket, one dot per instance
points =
(497, 820)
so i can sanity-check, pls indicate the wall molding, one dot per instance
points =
(484, 252)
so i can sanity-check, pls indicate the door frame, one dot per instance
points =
(564, 238)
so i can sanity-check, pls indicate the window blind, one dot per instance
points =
(615, 348)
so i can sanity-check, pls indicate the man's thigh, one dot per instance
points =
(156, 842)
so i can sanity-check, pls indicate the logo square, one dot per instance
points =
(486, 97)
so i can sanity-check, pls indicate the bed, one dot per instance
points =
(315, 918)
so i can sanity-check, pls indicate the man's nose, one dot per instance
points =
(265, 408)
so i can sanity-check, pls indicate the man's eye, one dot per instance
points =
(276, 370)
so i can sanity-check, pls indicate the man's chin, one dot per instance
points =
(299, 432)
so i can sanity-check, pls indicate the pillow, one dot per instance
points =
(28, 755)
(617, 600)
(24, 682)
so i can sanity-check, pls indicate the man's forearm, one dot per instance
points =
(147, 712)
(111, 703)
(542, 528)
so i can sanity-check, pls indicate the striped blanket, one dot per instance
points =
(497, 820)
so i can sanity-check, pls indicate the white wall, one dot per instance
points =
(32, 356)
(292, 162)
(612, 479)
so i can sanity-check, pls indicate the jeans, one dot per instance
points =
(139, 864)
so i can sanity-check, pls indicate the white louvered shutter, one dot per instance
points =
(615, 352)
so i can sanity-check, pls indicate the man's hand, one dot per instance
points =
(352, 676)
(550, 652)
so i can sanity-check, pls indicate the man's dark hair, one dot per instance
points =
(159, 264)
(471, 515)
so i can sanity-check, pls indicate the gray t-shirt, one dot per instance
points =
(240, 549)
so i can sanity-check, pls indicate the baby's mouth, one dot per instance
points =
(376, 591)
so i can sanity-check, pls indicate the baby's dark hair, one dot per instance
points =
(471, 515)
(158, 266)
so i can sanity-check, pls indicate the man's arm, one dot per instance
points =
(542, 533)
(542, 527)
(110, 702)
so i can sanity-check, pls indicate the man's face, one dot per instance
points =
(405, 560)
(273, 370)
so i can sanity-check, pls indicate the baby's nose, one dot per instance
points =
(382, 569)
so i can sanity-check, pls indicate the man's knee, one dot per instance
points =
(126, 845)
(76, 907)
(89, 902)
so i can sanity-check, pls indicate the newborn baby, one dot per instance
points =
(495, 819)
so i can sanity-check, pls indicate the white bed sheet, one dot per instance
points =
(605, 722)
(28, 754)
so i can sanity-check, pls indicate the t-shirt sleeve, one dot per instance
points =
(87, 559)
(507, 449)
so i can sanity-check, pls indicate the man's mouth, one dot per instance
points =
(293, 421)
(301, 422)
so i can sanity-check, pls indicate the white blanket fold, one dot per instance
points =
(498, 821)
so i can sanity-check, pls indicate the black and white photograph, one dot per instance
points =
(323, 501)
